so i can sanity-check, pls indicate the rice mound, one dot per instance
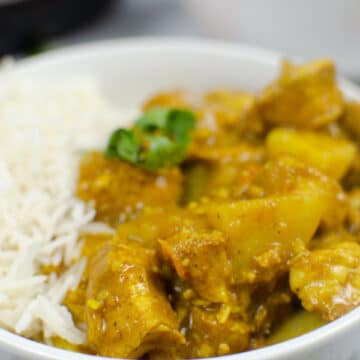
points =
(44, 128)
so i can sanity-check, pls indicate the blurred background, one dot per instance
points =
(306, 28)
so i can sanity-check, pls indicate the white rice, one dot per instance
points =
(43, 129)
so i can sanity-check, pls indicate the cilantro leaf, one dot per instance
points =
(122, 144)
(160, 138)
(154, 119)
(179, 123)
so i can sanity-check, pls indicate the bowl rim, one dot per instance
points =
(18, 345)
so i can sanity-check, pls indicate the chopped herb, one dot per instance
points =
(179, 124)
(153, 119)
(160, 138)
(122, 144)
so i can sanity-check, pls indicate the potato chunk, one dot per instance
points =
(286, 175)
(127, 310)
(294, 201)
(120, 190)
(263, 233)
(328, 280)
(331, 156)
(200, 258)
(305, 96)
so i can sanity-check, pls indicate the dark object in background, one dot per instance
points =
(25, 25)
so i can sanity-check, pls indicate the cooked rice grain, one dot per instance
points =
(43, 129)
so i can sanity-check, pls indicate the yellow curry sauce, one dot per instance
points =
(252, 240)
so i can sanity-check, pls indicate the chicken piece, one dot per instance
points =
(304, 96)
(200, 259)
(127, 310)
(234, 111)
(93, 242)
(327, 281)
(212, 334)
(75, 299)
(225, 119)
(329, 155)
(270, 306)
(210, 331)
(120, 190)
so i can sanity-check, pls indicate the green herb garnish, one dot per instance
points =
(160, 138)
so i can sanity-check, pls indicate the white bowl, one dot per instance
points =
(130, 70)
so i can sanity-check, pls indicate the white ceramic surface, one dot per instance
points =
(130, 70)
(305, 28)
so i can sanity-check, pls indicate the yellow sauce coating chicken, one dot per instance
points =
(328, 280)
(117, 198)
(249, 238)
(124, 289)
(304, 96)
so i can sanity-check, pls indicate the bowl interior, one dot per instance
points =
(128, 71)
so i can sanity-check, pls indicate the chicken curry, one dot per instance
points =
(233, 221)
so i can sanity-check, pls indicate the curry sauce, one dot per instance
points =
(252, 239)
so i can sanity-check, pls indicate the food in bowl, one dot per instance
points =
(213, 224)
